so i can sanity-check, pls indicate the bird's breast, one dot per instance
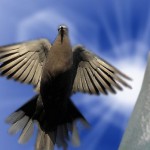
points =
(58, 62)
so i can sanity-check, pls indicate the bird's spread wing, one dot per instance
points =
(24, 61)
(94, 75)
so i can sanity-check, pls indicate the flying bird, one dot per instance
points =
(56, 71)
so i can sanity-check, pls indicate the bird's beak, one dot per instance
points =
(63, 30)
(62, 34)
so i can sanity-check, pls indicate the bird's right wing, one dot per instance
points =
(94, 75)
(24, 61)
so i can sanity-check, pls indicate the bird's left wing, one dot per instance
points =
(24, 61)
(94, 75)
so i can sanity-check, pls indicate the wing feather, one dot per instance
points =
(89, 82)
(84, 83)
(11, 57)
(29, 75)
(80, 87)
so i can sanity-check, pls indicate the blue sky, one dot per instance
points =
(117, 30)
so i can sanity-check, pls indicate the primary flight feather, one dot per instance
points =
(57, 71)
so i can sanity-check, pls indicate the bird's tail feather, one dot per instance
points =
(23, 119)
(43, 141)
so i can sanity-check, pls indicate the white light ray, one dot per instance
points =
(105, 23)
(146, 34)
(135, 68)
(118, 12)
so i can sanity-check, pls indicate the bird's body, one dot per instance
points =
(57, 71)
(57, 80)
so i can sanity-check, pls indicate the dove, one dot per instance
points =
(57, 71)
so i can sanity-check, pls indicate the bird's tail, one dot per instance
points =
(23, 119)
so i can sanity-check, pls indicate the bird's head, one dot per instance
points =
(62, 30)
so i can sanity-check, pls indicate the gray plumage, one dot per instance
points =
(56, 71)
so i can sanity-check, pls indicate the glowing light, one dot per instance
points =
(133, 66)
